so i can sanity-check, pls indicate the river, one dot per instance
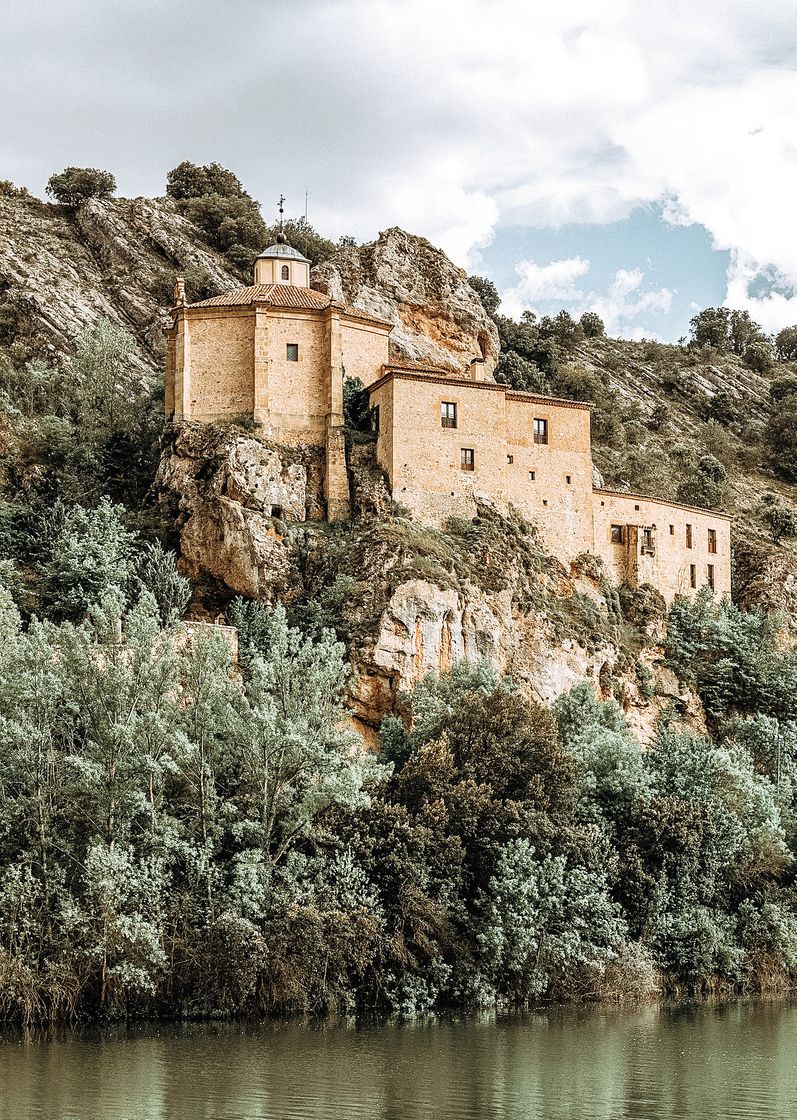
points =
(736, 1060)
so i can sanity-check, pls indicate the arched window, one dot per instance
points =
(285, 272)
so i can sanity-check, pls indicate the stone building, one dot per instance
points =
(277, 353)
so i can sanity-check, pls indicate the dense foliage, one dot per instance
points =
(214, 199)
(183, 833)
(75, 185)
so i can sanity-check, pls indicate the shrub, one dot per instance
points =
(75, 185)
(592, 325)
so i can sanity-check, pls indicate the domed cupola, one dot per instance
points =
(280, 263)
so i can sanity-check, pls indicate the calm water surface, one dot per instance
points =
(736, 1061)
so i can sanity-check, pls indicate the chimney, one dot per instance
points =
(179, 292)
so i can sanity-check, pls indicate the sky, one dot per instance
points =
(633, 157)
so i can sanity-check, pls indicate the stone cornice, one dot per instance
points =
(438, 377)
(661, 502)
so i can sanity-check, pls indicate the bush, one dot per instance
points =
(592, 325)
(75, 185)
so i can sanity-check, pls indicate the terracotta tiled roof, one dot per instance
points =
(283, 295)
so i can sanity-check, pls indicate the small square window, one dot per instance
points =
(467, 459)
(712, 540)
(636, 507)
(276, 513)
(617, 534)
(448, 414)
(692, 575)
(292, 352)
(545, 501)
(540, 431)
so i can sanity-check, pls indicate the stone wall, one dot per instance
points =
(668, 560)
(365, 350)
(219, 365)
(423, 459)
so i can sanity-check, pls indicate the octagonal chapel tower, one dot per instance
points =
(275, 352)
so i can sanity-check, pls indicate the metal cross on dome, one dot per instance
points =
(281, 200)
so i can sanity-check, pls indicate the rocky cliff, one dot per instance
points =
(248, 516)
(438, 318)
(61, 270)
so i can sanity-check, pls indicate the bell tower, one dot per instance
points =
(280, 263)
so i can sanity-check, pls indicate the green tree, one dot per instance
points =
(786, 344)
(487, 292)
(90, 555)
(75, 185)
(592, 325)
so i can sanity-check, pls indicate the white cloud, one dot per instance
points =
(448, 117)
(556, 280)
(619, 306)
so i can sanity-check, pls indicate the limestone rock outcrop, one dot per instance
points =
(232, 497)
(439, 320)
(62, 270)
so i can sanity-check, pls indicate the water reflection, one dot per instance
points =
(648, 1064)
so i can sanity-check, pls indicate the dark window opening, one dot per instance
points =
(467, 459)
(448, 414)
(568, 479)
(510, 458)
(292, 351)
(647, 540)
(617, 534)
(710, 576)
(692, 575)
(375, 419)
(532, 475)
(712, 540)
(636, 507)
(672, 530)
(545, 501)
(688, 536)
(540, 431)
(276, 513)
(285, 272)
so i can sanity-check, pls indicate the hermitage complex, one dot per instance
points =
(277, 353)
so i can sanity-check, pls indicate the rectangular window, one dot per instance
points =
(448, 414)
(532, 475)
(375, 419)
(647, 539)
(466, 459)
(672, 530)
(292, 352)
(712, 540)
(710, 576)
(617, 534)
(540, 431)
(688, 536)
(692, 575)
(568, 479)
(510, 458)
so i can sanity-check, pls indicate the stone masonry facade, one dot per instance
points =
(277, 353)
